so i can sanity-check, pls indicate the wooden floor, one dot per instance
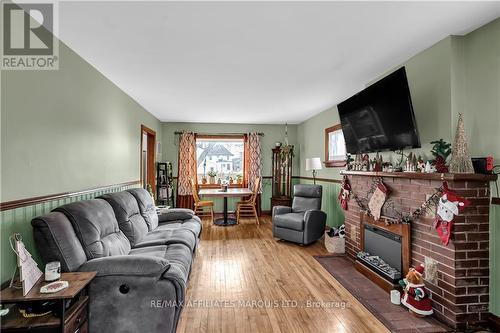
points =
(243, 280)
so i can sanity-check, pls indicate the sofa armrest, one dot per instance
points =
(175, 214)
(129, 265)
(279, 210)
(314, 216)
(314, 225)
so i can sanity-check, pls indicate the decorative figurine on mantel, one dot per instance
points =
(365, 162)
(411, 163)
(415, 296)
(420, 164)
(377, 163)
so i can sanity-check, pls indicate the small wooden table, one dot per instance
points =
(231, 192)
(72, 319)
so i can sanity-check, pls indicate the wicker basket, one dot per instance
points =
(334, 244)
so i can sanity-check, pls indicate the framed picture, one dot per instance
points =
(335, 150)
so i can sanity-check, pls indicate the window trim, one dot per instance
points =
(242, 137)
(332, 163)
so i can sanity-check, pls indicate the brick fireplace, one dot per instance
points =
(461, 292)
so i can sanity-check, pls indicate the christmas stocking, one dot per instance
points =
(450, 204)
(443, 229)
(377, 200)
(345, 191)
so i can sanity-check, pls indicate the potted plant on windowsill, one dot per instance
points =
(239, 179)
(211, 176)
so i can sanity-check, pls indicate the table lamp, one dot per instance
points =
(313, 164)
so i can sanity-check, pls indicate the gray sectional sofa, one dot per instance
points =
(142, 260)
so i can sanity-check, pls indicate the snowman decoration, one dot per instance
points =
(450, 204)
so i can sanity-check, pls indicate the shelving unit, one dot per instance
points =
(164, 184)
(282, 179)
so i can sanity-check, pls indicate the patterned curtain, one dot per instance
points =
(253, 163)
(186, 170)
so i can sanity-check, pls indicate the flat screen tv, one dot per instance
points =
(380, 117)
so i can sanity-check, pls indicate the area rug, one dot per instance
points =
(396, 318)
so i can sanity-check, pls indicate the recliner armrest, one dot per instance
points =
(128, 265)
(175, 214)
(314, 216)
(280, 210)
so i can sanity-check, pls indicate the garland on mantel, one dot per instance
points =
(427, 206)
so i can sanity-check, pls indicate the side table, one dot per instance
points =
(70, 313)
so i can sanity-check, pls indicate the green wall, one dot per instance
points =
(272, 134)
(460, 74)
(65, 130)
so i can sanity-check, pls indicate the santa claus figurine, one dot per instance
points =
(450, 204)
(415, 296)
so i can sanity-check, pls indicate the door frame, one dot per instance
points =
(151, 154)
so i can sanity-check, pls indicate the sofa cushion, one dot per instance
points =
(96, 227)
(194, 225)
(294, 221)
(168, 236)
(174, 214)
(56, 240)
(128, 215)
(146, 205)
(178, 255)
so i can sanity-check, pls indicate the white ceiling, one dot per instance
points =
(255, 62)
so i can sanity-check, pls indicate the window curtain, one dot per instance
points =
(186, 170)
(253, 163)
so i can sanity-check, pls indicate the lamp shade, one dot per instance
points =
(313, 163)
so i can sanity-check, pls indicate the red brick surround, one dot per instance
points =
(461, 294)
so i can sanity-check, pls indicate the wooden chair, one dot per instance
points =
(200, 204)
(248, 208)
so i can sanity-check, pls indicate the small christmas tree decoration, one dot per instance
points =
(460, 156)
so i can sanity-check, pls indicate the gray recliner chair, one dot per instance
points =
(304, 222)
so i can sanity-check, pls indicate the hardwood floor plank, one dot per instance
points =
(256, 283)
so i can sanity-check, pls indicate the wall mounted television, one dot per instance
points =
(380, 117)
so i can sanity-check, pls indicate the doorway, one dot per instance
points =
(148, 153)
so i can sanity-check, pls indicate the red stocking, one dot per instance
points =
(443, 229)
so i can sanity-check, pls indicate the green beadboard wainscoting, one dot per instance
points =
(18, 220)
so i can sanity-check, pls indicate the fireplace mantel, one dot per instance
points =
(461, 290)
(423, 175)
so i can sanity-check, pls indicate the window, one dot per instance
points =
(335, 149)
(220, 159)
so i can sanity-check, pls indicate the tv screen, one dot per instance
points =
(380, 117)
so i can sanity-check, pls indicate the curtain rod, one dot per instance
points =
(221, 134)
